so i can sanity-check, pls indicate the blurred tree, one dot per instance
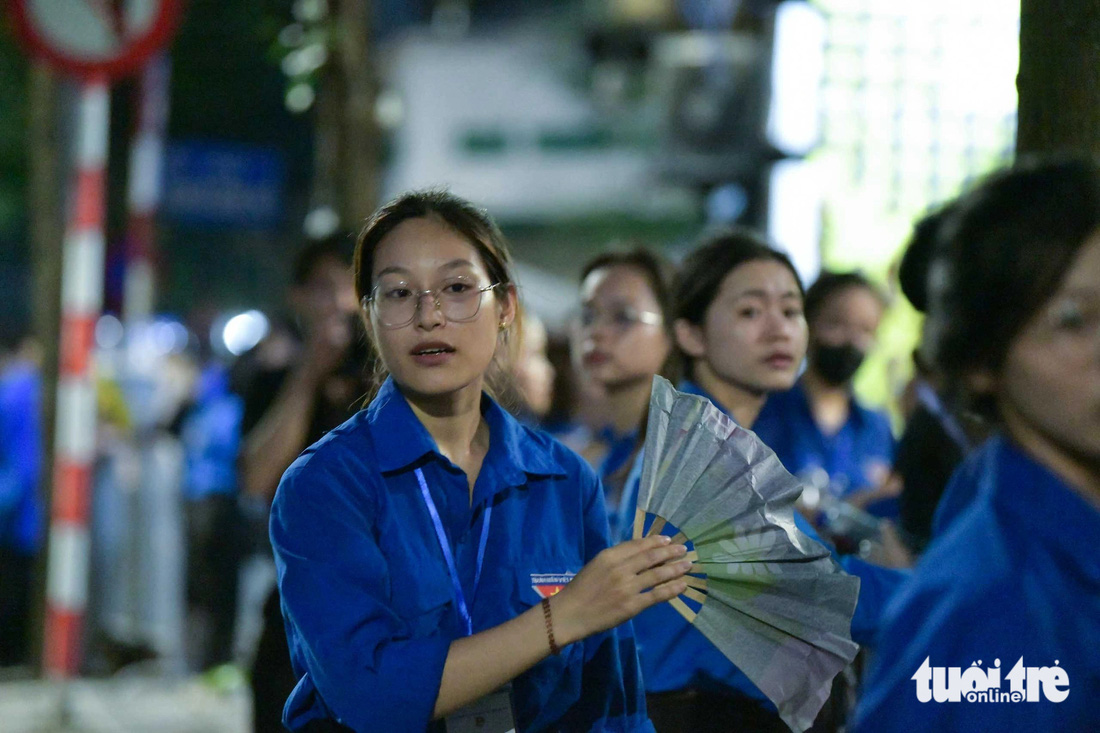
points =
(1059, 78)
(347, 145)
(14, 90)
(327, 55)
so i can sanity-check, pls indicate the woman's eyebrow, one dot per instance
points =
(393, 269)
(760, 293)
(452, 265)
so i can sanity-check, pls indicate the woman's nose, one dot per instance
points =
(429, 314)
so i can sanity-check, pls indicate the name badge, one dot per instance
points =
(490, 714)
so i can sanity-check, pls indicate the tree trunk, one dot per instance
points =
(1059, 78)
(346, 138)
(361, 144)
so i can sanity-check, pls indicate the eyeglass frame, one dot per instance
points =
(371, 299)
(648, 318)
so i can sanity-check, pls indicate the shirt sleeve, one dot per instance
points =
(612, 695)
(950, 624)
(359, 654)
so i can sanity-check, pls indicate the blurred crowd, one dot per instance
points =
(193, 436)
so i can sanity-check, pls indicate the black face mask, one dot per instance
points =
(836, 364)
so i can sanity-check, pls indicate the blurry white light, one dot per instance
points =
(389, 109)
(795, 202)
(108, 332)
(798, 69)
(167, 338)
(313, 56)
(292, 35)
(180, 336)
(321, 222)
(244, 331)
(299, 97)
(305, 60)
(310, 11)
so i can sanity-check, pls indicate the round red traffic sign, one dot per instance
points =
(96, 38)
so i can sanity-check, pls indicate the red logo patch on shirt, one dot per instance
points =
(547, 584)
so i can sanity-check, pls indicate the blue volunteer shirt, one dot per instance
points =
(856, 457)
(368, 601)
(960, 492)
(20, 458)
(620, 449)
(211, 437)
(1015, 576)
(676, 656)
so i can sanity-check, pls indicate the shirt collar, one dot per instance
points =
(1042, 503)
(857, 413)
(689, 387)
(401, 440)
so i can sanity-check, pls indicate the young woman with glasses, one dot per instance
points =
(623, 338)
(1009, 592)
(438, 560)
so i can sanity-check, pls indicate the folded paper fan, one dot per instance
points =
(769, 597)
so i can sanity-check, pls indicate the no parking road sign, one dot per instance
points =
(96, 38)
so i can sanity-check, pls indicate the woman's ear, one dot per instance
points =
(689, 337)
(508, 306)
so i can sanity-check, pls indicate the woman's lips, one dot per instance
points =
(780, 361)
(432, 354)
(595, 358)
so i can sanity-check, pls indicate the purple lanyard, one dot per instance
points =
(445, 546)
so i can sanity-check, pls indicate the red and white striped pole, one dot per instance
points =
(75, 437)
(146, 164)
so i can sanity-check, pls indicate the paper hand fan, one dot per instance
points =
(769, 597)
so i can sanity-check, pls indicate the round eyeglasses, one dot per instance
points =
(620, 319)
(396, 304)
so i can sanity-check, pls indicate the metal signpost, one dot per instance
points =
(97, 41)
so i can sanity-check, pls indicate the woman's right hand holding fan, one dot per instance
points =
(617, 585)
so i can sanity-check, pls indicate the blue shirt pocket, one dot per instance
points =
(424, 599)
(547, 690)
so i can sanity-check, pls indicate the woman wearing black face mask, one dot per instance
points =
(818, 429)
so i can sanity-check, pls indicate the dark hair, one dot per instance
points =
(829, 284)
(336, 247)
(704, 269)
(660, 275)
(1001, 254)
(915, 263)
(472, 224)
(716, 256)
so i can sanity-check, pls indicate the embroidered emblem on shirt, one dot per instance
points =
(547, 584)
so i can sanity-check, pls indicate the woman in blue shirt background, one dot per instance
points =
(739, 325)
(624, 337)
(420, 545)
(1014, 325)
(819, 426)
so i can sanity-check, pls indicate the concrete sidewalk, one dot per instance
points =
(123, 705)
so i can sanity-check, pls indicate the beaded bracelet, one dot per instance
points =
(554, 648)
